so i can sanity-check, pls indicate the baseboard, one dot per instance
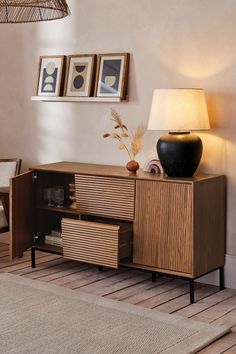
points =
(4, 238)
(230, 278)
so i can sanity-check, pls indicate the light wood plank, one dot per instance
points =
(221, 345)
(206, 303)
(162, 298)
(129, 292)
(63, 272)
(86, 277)
(231, 350)
(213, 313)
(4, 247)
(23, 265)
(111, 285)
(183, 301)
(145, 295)
(4, 253)
(46, 266)
(227, 319)
(6, 262)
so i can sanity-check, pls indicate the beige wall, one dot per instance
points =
(184, 43)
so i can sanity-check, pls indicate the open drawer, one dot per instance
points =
(96, 242)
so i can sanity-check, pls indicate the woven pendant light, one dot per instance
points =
(20, 11)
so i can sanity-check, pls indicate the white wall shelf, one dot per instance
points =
(77, 99)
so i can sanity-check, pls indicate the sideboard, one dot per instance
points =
(174, 226)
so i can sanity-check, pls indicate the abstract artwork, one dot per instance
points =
(112, 75)
(50, 75)
(80, 75)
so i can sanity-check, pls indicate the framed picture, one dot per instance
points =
(112, 75)
(51, 75)
(79, 75)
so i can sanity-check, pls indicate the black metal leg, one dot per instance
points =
(33, 265)
(191, 287)
(100, 268)
(154, 277)
(222, 278)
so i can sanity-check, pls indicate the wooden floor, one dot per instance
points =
(135, 287)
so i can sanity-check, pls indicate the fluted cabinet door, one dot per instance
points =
(163, 227)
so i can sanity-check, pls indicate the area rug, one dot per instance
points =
(37, 317)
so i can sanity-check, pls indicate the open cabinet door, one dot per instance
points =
(21, 214)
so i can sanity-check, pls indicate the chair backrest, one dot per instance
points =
(8, 168)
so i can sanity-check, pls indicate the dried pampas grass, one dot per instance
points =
(132, 142)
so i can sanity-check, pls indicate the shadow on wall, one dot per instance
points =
(74, 131)
(28, 130)
(18, 48)
(57, 125)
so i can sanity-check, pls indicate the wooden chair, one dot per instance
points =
(8, 168)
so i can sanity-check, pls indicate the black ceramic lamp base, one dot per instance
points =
(179, 153)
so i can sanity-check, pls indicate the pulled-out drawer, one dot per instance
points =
(95, 242)
(105, 196)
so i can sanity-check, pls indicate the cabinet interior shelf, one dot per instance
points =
(77, 99)
(48, 248)
(64, 209)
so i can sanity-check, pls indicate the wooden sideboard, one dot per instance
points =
(174, 226)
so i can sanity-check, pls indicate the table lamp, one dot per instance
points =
(179, 111)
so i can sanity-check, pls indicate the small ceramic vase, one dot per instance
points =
(132, 166)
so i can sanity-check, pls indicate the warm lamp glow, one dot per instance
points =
(178, 110)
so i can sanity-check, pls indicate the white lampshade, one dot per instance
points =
(178, 110)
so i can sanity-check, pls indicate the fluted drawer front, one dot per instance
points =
(91, 242)
(105, 196)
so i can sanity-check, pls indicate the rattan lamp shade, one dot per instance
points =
(20, 11)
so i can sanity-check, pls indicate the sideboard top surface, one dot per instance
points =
(114, 171)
